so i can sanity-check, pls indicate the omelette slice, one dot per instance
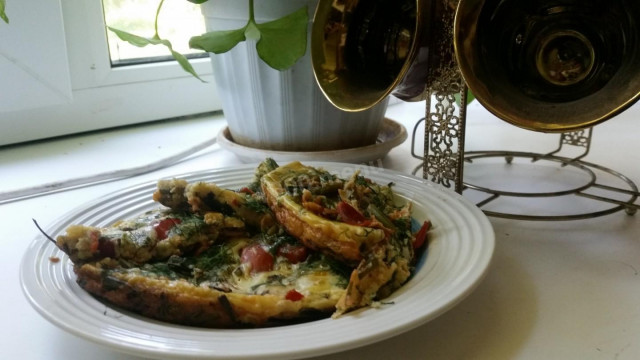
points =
(357, 221)
(298, 243)
(156, 234)
(243, 282)
(290, 187)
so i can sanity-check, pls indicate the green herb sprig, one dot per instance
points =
(280, 43)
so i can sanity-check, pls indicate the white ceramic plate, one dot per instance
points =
(459, 253)
(391, 135)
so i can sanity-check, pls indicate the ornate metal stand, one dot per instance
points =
(444, 159)
(444, 155)
(447, 173)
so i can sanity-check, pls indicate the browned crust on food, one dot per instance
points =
(180, 302)
(312, 236)
(341, 240)
(201, 195)
(170, 193)
(373, 278)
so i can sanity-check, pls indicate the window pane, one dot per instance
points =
(178, 21)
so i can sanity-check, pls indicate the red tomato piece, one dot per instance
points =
(421, 235)
(162, 228)
(293, 295)
(95, 241)
(246, 190)
(349, 214)
(257, 257)
(293, 253)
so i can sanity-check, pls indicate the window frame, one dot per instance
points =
(102, 96)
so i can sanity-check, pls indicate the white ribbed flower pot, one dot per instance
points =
(280, 110)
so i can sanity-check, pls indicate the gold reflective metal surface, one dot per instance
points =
(565, 58)
(363, 50)
(550, 65)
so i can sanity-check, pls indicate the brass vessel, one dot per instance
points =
(550, 65)
(544, 65)
(363, 50)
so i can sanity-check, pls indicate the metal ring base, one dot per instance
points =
(621, 198)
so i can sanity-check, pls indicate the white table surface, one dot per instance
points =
(555, 290)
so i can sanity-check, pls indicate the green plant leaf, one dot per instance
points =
(470, 97)
(186, 65)
(217, 42)
(251, 31)
(140, 41)
(3, 15)
(134, 39)
(283, 41)
(197, 1)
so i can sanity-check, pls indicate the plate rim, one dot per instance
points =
(483, 264)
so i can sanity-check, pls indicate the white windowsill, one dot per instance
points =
(54, 160)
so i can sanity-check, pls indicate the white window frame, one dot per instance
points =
(99, 96)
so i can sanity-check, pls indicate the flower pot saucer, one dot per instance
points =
(391, 135)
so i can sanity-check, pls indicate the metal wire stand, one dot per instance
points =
(444, 157)
(444, 161)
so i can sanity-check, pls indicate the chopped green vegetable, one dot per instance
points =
(321, 261)
(265, 167)
(214, 258)
(256, 205)
(382, 217)
(189, 225)
(276, 241)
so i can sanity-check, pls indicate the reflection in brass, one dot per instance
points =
(550, 65)
(363, 50)
(565, 58)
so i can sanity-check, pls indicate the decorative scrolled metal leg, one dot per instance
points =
(444, 120)
(579, 138)
(444, 139)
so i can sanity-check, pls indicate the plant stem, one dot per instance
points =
(252, 17)
(157, 35)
